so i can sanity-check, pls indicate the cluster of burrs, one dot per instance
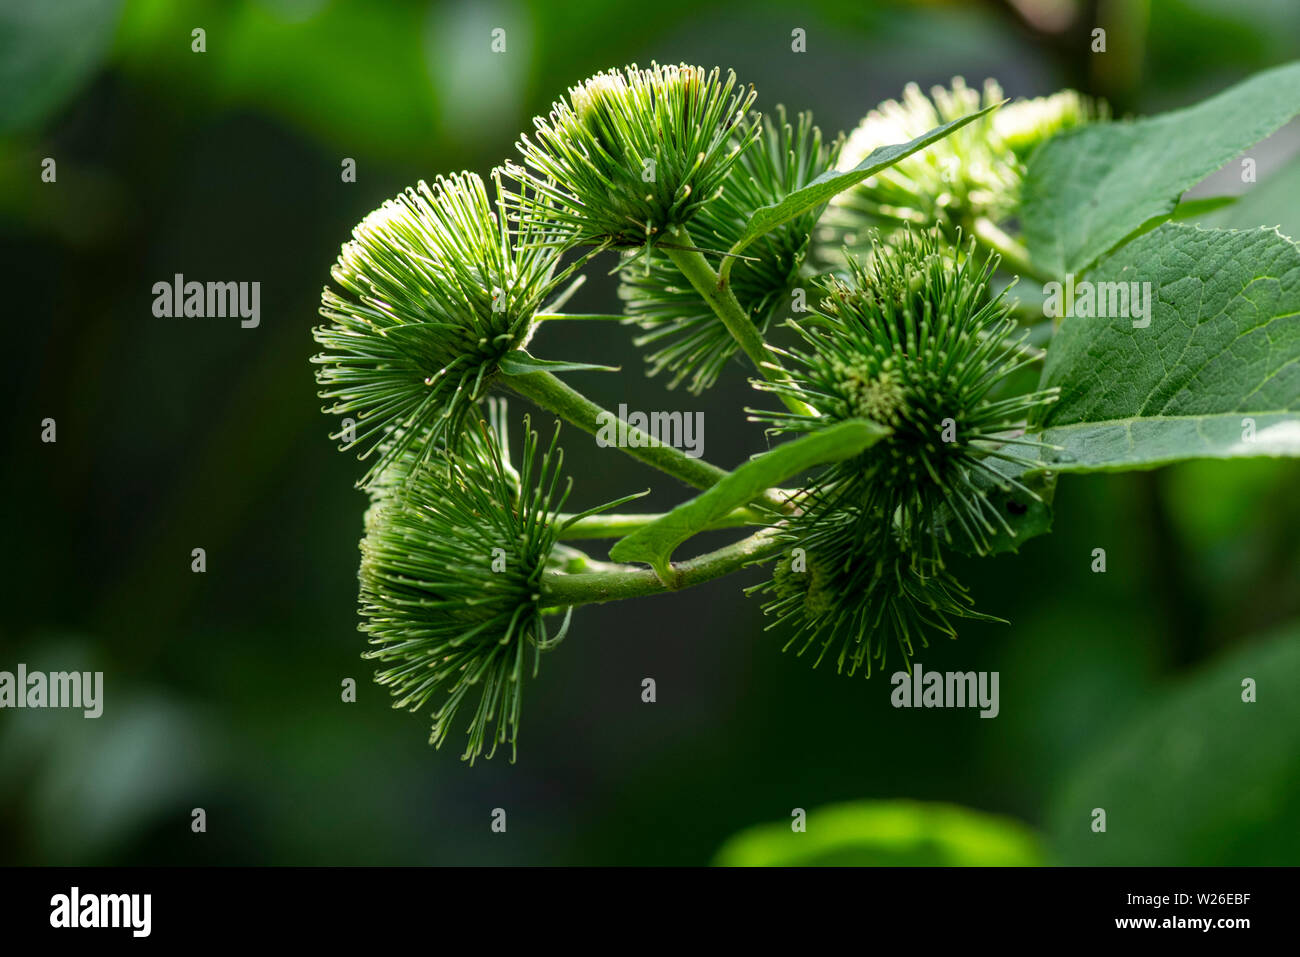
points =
(439, 292)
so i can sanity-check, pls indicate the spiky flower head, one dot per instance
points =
(974, 172)
(433, 293)
(836, 592)
(631, 153)
(691, 342)
(915, 340)
(451, 583)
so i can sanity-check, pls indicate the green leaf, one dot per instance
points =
(887, 834)
(1189, 210)
(1089, 188)
(1216, 373)
(1201, 777)
(520, 362)
(654, 543)
(821, 189)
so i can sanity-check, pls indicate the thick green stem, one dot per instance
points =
(615, 582)
(553, 395)
(692, 264)
(717, 293)
(619, 524)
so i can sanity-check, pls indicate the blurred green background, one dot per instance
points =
(1119, 690)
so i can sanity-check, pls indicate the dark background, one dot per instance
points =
(223, 689)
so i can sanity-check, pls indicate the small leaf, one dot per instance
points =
(520, 362)
(600, 509)
(1192, 208)
(1215, 374)
(654, 543)
(821, 189)
(1089, 188)
(887, 834)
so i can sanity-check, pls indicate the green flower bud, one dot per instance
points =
(631, 153)
(451, 583)
(1023, 125)
(434, 293)
(915, 340)
(858, 596)
(974, 172)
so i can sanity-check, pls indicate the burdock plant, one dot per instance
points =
(908, 417)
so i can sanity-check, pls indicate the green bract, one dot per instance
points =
(631, 153)
(451, 583)
(435, 292)
(689, 338)
(479, 451)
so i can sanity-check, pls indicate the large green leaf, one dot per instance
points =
(821, 189)
(1089, 188)
(1219, 358)
(1201, 777)
(654, 543)
(887, 834)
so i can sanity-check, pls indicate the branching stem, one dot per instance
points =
(717, 293)
(612, 582)
(575, 408)
(616, 525)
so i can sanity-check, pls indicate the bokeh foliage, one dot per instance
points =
(223, 689)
